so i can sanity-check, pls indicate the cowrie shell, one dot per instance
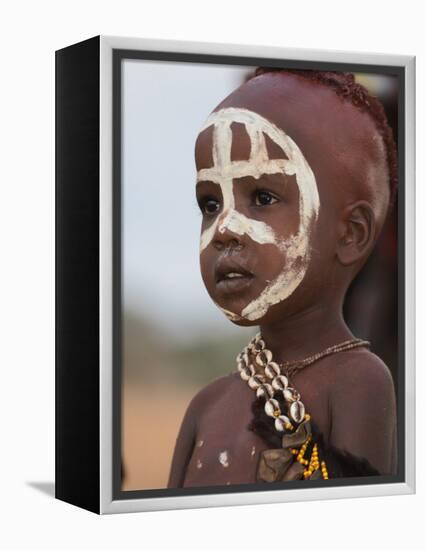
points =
(246, 373)
(241, 365)
(280, 383)
(271, 407)
(290, 394)
(260, 345)
(265, 390)
(255, 381)
(297, 411)
(264, 357)
(280, 422)
(272, 370)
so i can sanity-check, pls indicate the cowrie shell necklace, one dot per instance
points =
(267, 378)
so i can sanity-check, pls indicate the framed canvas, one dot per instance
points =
(234, 274)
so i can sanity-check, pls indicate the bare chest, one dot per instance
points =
(226, 451)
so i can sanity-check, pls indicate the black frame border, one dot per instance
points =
(77, 377)
(120, 55)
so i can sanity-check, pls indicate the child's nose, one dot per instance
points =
(225, 234)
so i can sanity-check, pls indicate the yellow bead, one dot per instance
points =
(324, 470)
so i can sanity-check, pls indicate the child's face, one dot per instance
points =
(260, 203)
(268, 243)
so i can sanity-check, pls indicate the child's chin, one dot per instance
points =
(240, 321)
(244, 323)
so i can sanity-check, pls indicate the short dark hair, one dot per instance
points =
(345, 85)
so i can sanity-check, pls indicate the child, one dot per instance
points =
(296, 172)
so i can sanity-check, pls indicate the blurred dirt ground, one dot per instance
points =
(151, 420)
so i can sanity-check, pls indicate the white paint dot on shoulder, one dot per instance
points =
(199, 464)
(223, 458)
(253, 451)
(200, 443)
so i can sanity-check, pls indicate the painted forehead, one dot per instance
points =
(235, 143)
(232, 135)
(241, 145)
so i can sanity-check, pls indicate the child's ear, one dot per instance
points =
(357, 233)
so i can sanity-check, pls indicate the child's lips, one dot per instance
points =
(232, 276)
(231, 285)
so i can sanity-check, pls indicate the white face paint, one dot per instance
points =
(223, 458)
(296, 248)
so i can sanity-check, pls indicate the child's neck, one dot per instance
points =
(306, 333)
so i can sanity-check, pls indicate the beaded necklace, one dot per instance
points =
(268, 378)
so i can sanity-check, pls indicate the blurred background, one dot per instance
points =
(175, 340)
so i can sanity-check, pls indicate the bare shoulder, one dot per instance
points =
(363, 381)
(212, 391)
(363, 369)
(363, 409)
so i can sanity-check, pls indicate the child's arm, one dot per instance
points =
(184, 446)
(186, 439)
(363, 412)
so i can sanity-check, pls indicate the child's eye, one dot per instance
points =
(209, 205)
(264, 198)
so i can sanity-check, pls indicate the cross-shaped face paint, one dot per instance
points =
(224, 171)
